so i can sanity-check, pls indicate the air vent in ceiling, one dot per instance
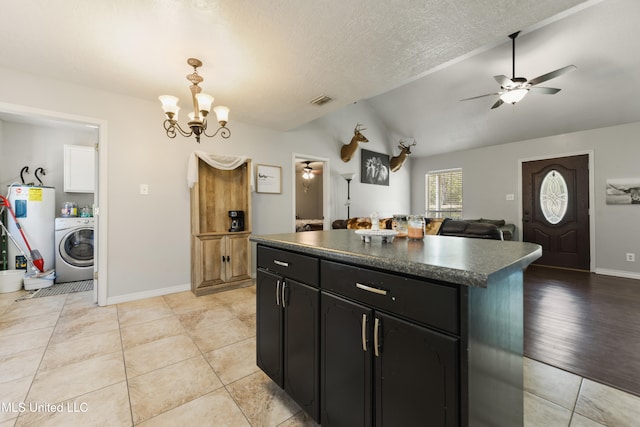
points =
(320, 100)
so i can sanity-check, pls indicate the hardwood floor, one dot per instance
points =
(584, 323)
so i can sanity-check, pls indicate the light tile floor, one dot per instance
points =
(181, 360)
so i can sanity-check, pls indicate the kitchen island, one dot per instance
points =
(424, 332)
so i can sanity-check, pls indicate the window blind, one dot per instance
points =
(444, 194)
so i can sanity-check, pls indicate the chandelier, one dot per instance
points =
(201, 106)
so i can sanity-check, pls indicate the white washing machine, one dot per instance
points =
(74, 249)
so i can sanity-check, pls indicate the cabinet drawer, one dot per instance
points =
(295, 266)
(428, 303)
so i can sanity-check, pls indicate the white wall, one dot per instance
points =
(24, 144)
(148, 236)
(491, 173)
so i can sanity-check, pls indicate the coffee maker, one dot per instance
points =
(237, 221)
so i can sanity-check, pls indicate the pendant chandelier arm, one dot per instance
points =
(172, 127)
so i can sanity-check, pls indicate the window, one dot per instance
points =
(444, 194)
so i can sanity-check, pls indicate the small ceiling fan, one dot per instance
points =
(516, 88)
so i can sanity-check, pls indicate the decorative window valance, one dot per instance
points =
(216, 161)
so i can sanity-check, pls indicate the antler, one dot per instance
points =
(402, 145)
(358, 128)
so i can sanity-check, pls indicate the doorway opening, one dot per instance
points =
(311, 180)
(37, 117)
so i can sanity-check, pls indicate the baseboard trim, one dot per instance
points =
(618, 273)
(148, 294)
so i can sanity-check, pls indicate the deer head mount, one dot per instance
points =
(396, 162)
(347, 150)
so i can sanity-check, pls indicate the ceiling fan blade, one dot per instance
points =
(480, 96)
(545, 90)
(503, 81)
(552, 75)
(498, 103)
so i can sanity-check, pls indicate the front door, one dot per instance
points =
(555, 206)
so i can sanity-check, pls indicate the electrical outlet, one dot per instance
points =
(144, 189)
(510, 197)
(631, 257)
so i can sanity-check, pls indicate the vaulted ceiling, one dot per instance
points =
(411, 60)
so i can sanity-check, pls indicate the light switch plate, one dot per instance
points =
(510, 197)
(144, 189)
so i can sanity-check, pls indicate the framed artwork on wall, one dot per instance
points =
(623, 191)
(374, 168)
(268, 179)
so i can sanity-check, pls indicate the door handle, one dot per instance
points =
(376, 330)
(222, 258)
(228, 258)
(364, 332)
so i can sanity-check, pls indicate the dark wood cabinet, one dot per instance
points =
(288, 328)
(358, 345)
(413, 370)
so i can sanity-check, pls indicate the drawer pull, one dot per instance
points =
(371, 289)
(281, 263)
(364, 332)
(278, 293)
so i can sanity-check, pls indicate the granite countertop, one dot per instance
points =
(460, 260)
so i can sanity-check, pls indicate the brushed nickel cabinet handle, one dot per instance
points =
(364, 332)
(284, 285)
(371, 289)
(281, 263)
(376, 326)
(278, 293)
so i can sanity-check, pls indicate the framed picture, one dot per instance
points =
(268, 179)
(374, 168)
(623, 191)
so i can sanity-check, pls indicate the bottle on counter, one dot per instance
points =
(415, 227)
(399, 224)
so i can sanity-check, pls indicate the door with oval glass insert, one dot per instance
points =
(555, 207)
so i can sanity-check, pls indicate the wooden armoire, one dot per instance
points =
(220, 259)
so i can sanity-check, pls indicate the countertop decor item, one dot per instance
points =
(387, 235)
(201, 107)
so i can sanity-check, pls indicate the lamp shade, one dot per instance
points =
(513, 96)
(169, 103)
(222, 113)
(204, 101)
(348, 176)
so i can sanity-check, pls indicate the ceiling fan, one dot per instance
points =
(516, 88)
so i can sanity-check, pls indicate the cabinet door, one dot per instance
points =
(207, 265)
(416, 375)
(269, 325)
(238, 263)
(79, 169)
(301, 345)
(346, 388)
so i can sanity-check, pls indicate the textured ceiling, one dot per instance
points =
(266, 59)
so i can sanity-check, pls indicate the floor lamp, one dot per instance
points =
(348, 177)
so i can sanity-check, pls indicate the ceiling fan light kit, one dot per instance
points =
(514, 89)
(201, 107)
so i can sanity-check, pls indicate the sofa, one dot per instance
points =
(475, 228)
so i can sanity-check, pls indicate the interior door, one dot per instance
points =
(555, 206)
